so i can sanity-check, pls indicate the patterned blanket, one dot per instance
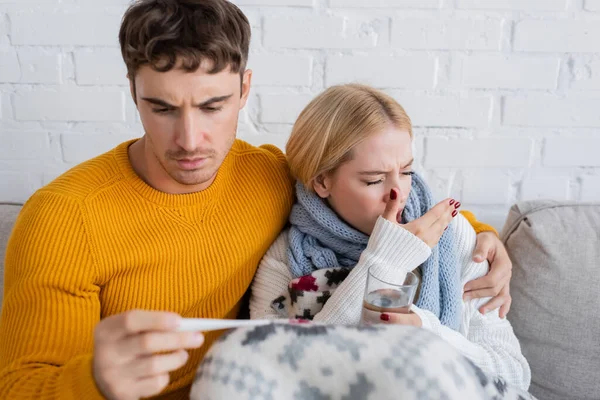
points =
(317, 362)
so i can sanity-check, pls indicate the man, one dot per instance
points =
(175, 222)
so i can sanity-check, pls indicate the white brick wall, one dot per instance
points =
(592, 5)
(538, 5)
(439, 33)
(590, 189)
(504, 94)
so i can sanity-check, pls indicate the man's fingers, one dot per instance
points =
(493, 304)
(146, 367)
(482, 248)
(154, 342)
(151, 386)
(491, 279)
(481, 293)
(135, 321)
(502, 301)
(505, 308)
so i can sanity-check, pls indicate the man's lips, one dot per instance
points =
(191, 163)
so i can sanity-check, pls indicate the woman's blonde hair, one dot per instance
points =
(334, 123)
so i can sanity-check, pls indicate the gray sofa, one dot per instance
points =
(555, 248)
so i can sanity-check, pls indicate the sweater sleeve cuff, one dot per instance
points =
(78, 380)
(391, 247)
(428, 320)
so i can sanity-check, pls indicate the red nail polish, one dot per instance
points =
(393, 195)
(457, 205)
(385, 317)
(451, 201)
(454, 213)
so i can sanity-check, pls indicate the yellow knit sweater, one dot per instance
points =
(99, 241)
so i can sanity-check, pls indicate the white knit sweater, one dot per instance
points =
(487, 340)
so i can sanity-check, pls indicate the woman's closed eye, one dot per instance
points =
(374, 182)
(406, 173)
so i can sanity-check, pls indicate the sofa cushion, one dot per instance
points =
(555, 249)
(8, 215)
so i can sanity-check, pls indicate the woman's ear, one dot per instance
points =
(322, 185)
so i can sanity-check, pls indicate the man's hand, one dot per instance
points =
(496, 283)
(126, 363)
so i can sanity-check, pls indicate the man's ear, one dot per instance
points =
(245, 92)
(322, 185)
(132, 89)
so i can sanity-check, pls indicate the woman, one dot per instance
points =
(360, 205)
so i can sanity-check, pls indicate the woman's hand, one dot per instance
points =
(411, 318)
(430, 227)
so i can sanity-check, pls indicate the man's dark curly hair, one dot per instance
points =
(163, 33)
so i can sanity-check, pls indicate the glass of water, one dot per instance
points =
(387, 297)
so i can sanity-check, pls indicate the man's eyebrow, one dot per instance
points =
(205, 103)
(217, 99)
(158, 102)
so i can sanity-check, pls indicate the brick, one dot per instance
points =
(571, 152)
(69, 106)
(15, 187)
(39, 65)
(586, 74)
(510, 72)
(592, 5)
(281, 3)
(440, 181)
(23, 145)
(486, 187)
(4, 30)
(529, 5)
(545, 188)
(33, 2)
(104, 2)
(385, 3)
(325, 32)
(100, 67)
(483, 152)
(590, 189)
(282, 108)
(280, 70)
(65, 29)
(557, 36)
(409, 72)
(549, 110)
(10, 70)
(78, 147)
(491, 215)
(447, 34)
(446, 111)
